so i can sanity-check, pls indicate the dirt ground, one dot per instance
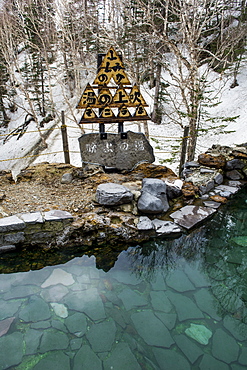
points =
(40, 187)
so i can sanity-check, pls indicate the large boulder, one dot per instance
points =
(212, 160)
(111, 194)
(153, 197)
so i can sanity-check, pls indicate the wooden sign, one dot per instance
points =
(112, 93)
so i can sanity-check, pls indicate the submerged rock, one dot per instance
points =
(199, 332)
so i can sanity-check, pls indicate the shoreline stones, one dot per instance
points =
(153, 197)
(111, 194)
(125, 213)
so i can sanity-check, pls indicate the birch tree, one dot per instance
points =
(190, 37)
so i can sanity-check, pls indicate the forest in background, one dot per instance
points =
(48, 48)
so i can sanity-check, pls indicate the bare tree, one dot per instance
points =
(188, 38)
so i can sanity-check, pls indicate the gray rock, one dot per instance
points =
(206, 187)
(31, 218)
(57, 215)
(199, 333)
(36, 310)
(192, 164)
(149, 203)
(170, 358)
(218, 179)
(190, 349)
(9, 308)
(11, 350)
(53, 340)
(131, 299)
(14, 238)
(235, 164)
(145, 223)
(166, 228)
(116, 152)
(207, 303)
(32, 340)
(151, 329)
(243, 356)
(66, 178)
(153, 197)
(160, 302)
(225, 189)
(224, 347)
(189, 216)
(101, 336)
(86, 359)
(169, 319)
(111, 194)
(7, 248)
(212, 204)
(87, 301)
(76, 324)
(121, 358)
(206, 170)
(22, 291)
(179, 281)
(173, 191)
(209, 362)
(233, 183)
(185, 307)
(234, 175)
(237, 328)
(11, 223)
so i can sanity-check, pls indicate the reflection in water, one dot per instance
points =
(166, 304)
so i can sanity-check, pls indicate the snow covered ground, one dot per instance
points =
(16, 154)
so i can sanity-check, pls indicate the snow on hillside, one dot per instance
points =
(164, 138)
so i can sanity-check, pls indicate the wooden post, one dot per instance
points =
(184, 148)
(146, 131)
(65, 140)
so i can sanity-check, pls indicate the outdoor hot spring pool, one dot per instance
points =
(168, 304)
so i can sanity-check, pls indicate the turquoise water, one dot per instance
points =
(176, 304)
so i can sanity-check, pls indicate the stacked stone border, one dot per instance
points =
(32, 228)
(127, 216)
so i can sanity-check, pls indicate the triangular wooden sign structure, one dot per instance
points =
(107, 113)
(136, 97)
(104, 97)
(88, 98)
(124, 112)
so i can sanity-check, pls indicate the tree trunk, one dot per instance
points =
(156, 115)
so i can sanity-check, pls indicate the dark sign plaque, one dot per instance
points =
(116, 151)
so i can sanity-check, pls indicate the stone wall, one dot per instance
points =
(32, 228)
(131, 212)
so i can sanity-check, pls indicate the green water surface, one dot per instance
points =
(168, 304)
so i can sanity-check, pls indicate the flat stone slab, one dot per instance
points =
(212, 204)
(114, 151)
(31, 218)
(199, 333)
(189, 216)
(111, 194)
(167, 228)
(225, 190)
(101, 336)
(145, 223)
(11, 223)
(224, 347)
(121, 358)
(57, 215)
(155, 333)
(58, 276)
